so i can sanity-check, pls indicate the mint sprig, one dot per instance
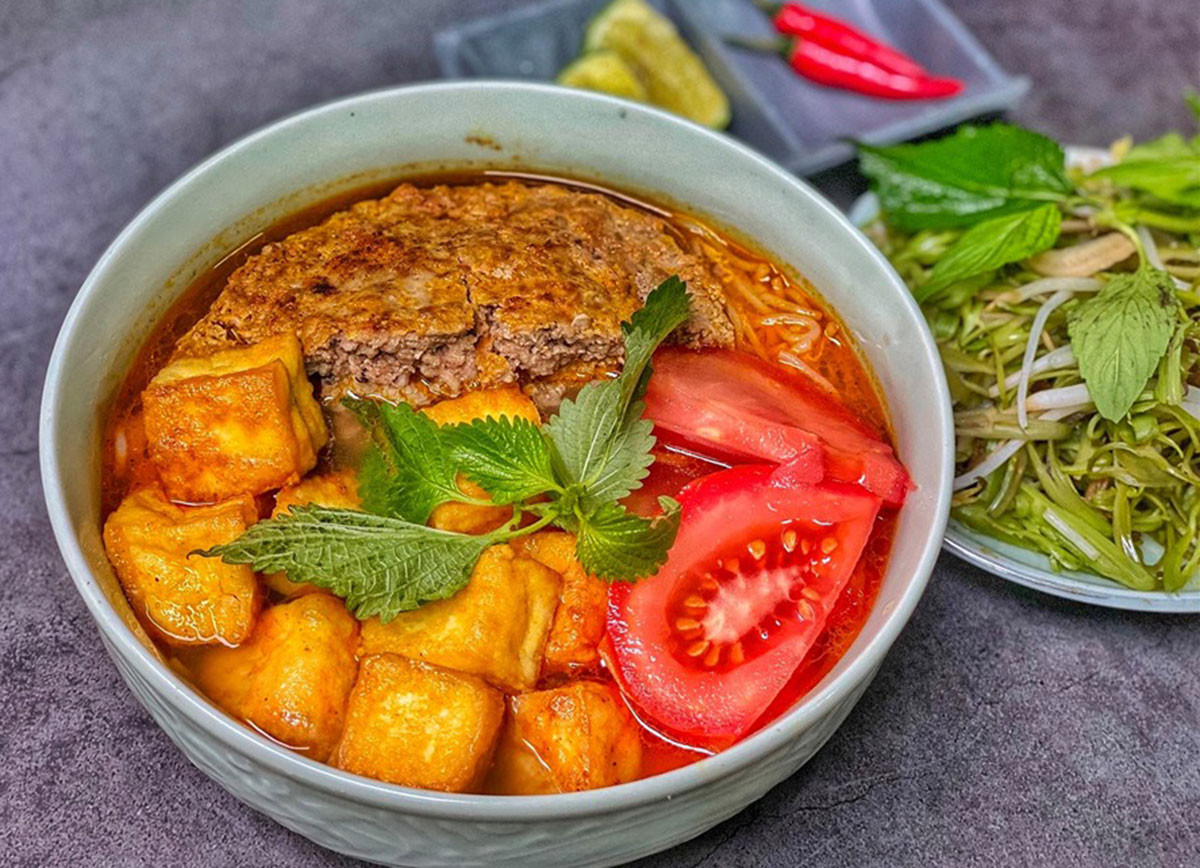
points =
(1121, 334)
(974, 174)
(994, 243)
(569, 473)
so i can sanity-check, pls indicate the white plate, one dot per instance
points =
(1030, 568)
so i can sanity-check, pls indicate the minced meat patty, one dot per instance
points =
(429, 292)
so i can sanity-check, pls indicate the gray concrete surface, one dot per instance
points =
(1006, 728)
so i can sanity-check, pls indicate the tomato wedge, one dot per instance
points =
(671, 471)
(735, 405)
(761, 557)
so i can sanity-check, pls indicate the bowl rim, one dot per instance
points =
(457, 806)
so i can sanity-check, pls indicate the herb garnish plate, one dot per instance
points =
(1030, 568)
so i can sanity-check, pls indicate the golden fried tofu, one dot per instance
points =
(293, 677)
(576, 737)
(417, 725)
(467, 517)
(572, 646)
(338, 489)
(484, 404)
(495, 627)
(481, 404)
(241, 421)
(183, 598)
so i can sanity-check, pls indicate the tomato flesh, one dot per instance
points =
(731, 404)
(672, 470)
(703, 647)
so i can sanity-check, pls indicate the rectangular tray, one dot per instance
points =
(802, 125)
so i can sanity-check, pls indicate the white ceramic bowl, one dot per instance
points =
(478, 125)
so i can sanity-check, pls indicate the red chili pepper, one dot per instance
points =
(826, 66)
(794, 19)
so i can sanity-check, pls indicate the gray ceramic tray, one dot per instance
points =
(802, 125)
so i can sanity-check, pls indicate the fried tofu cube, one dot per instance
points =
(292, 678)
(338, 490)
(467, 517)
(495, 627)
(483, 404)
(183, 598)
(573, 644)
(417, 725)
(576, 737)
(241, 421)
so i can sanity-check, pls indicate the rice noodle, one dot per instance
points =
(807, 331)
(796, 316)
(787, 357)
(1035, 334)
(748, 295)
(759, 296)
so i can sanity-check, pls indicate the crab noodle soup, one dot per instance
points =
(501, 484)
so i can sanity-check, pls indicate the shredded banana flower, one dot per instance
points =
(1037, 466)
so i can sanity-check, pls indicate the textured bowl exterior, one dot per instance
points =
(393, 838)
(480, 126)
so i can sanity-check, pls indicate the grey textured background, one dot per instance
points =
(1005, 727)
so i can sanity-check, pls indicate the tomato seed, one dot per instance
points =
(697, 648)
(805, 546)
(695, 603)
(789, 540)
(804, 607)
(828, 544)
(733, 565)
(757, 549)
(736, 654)
(811, 593)
(713, 657)
(687, 625)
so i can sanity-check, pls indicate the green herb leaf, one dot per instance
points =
(600, 440)
(972, 175)
(1120, 335)
(407, 470)
(381, 566)
(614, 543)
(667, 307)
(988, 245)
(509, 458)
(1167, 168)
